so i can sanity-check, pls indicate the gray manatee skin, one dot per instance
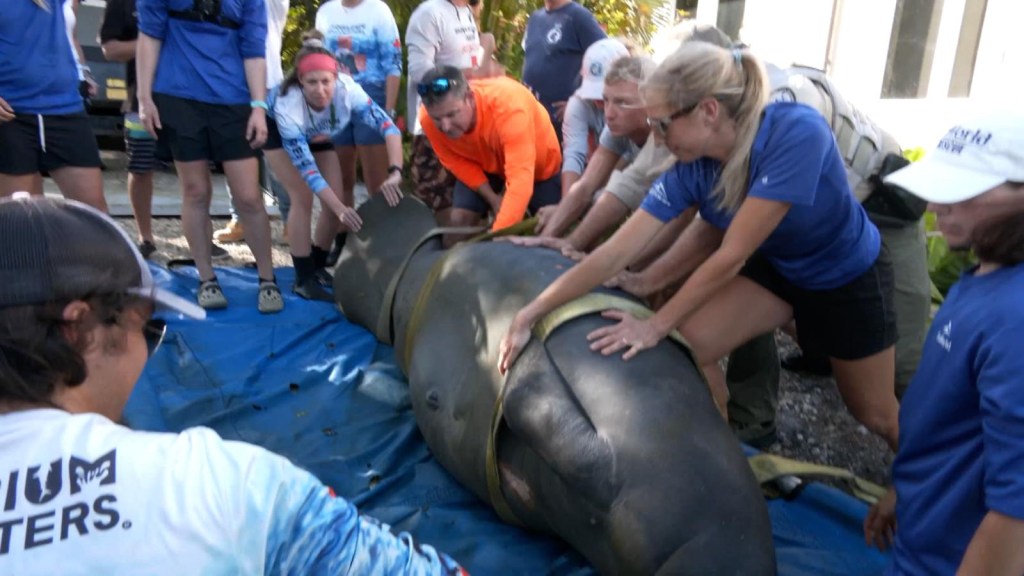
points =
(628, 462)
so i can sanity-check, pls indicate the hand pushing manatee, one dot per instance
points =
(628, 462)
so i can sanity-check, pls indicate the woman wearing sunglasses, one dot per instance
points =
(312, 106)
(87, 495)
(780, 237)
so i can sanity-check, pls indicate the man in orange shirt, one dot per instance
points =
(497, 140)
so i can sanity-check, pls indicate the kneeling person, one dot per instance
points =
(497, 140)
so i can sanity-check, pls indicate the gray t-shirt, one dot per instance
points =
(581, 119)
(620, 145)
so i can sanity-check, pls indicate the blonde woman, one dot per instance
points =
(780, 236)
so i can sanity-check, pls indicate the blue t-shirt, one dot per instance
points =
(962, 425)
(826, 239)
(204, 61)
(37, 70)
(553, 51)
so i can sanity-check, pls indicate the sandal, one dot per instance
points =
(210, 296)
(270, 299)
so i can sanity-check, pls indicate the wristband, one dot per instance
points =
(258, 104)
(395, 168)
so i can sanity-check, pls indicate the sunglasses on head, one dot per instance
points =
(661, 125)
(154, 331)
(437, 87)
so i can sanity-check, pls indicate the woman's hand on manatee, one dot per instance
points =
(512, 344)
(880, 523)
(630, 334)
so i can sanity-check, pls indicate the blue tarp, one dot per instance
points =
(323, 392)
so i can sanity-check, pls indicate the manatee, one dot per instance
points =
(628, 462)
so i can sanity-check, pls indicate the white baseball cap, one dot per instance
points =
(971, 159)
(596, 62)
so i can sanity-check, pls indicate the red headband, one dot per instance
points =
(317, 61)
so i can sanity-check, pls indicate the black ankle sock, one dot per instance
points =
(318, 256)
(339, 240)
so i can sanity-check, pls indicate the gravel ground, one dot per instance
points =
(813, 424)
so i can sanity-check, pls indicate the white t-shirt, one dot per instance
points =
(82, 495)
(277, 16)
(439, 33)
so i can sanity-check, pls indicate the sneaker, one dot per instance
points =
(218, 253)
(324, 278)
(310, 289)
(147, 249)
(804, 364)
(231, 232)
(211, 297)
(270, 299)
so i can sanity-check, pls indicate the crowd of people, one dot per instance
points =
(703, 180)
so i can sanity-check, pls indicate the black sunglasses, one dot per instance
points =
(437, 86)
(661, 125)
(154, 331)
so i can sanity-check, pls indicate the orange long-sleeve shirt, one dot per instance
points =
(513, 137)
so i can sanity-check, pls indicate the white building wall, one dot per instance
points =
(796, 31)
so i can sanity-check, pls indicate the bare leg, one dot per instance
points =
(140, 192)
(196, 191)
(374, 160)
(461, 217)
(301, 198)
(11, 183)
(327, 224)
(244, 178)
(740, 311)
(347, 161)
(82, 184)
(868, 388)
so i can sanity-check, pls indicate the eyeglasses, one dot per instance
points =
(661, 125)
(437, 86)
(154, 331)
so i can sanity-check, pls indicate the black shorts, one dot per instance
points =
(34, 143)
(545, 193)
(850, 322)
(274, 140)
(194, 130)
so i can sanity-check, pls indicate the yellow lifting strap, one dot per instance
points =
(768, 467)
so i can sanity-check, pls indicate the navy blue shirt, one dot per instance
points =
(37, 70)
(962, 425)
(204, 61)
(554, 45)
(826, 239)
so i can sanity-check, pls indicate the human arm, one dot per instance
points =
(465, 170)
(515, 136)
(595, 268)
(580, 195)
(422, 42)
(113, 30)
(145, 68)
(253, 44)
(697, 242)
(997, 546)
(575, 144)
(390, 46)
(6, 112)
(754, 222)
(369, 113)
(119, 50)
(272, 517)
(602, 216)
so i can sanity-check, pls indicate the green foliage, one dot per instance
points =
(506, 19)
(944, 265)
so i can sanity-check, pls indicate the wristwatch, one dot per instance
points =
(395, 168)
